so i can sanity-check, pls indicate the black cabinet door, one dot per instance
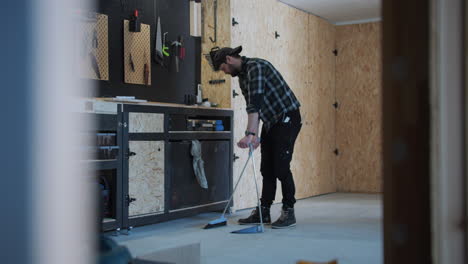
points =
(186, 192)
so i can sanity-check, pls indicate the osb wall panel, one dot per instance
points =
(315, 161)
(145, 123)
(218, 93)
(146, 177)
(257, 41)
(258, 21)
(358, 72)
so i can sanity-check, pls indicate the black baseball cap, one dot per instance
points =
(218, 55)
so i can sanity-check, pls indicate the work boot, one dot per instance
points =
(286, 220)
(254, 217)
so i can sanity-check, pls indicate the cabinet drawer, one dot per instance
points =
(146, 123)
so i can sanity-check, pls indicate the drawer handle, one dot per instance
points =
(129, 153)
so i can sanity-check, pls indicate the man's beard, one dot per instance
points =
(234, 71)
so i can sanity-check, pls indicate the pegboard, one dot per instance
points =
(137, 48)
(93, 55)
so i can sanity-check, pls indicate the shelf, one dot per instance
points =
(101, 164)
(200, 136)
(172, 105)
(104, 161)
(108, 220)
(202, 132)
(145, 215)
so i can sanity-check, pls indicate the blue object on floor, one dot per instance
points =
(222, 221)
(250, 230)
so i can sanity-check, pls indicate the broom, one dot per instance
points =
(222, 221)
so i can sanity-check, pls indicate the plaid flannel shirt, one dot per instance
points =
(265, 91)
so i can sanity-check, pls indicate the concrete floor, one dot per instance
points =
(342, 226)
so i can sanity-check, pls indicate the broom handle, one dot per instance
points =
(242, 173)
(256, 186)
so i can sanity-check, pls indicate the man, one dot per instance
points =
(269, 98)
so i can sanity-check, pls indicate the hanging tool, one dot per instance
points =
(158, 55)
(215, 8)
(202, 22)
(182, 48)
(95, 65)
(95, 39)
(176, 48)
(135, 24)
(146, 71)
(132, 65)
(165, 48)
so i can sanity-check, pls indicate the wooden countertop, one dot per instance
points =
(160, 104)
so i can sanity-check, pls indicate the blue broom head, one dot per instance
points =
(222, 221)
(218, 221)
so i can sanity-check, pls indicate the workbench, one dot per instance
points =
(143, 156)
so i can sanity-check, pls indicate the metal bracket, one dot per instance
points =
(277, 35)
(336, 151)
(217, 81)
(234, 22)
(235, 157)
(129, 153)
(129, 200)
(215, 21)
(234, 93)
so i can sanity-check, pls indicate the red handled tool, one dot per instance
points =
(182, 48)
(135, 24)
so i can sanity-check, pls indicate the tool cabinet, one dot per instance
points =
(150, 177)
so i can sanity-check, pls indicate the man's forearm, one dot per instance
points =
(253, 123)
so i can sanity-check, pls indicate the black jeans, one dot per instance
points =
(277, 151)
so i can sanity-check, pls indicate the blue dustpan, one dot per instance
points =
(250, 230)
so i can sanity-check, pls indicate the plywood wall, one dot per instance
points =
(358, 87)
(303, 55)
(316, 160)
(246, 33)
(219, 93)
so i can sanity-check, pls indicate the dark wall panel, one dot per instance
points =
(167, 85)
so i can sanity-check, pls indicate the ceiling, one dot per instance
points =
(340, 11)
